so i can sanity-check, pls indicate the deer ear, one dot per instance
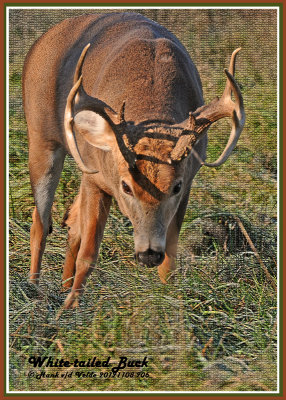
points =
(95, 130)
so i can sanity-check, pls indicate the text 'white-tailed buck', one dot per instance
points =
(120, 94)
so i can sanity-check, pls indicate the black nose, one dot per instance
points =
(150, 258)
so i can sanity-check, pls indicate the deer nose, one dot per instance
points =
(150, 258)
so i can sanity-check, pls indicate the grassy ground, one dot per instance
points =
(214, 327)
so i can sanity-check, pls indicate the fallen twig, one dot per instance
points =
(253, 248)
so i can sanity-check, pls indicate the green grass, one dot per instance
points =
(214, 327)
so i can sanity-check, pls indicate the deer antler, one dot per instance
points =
(77, 72)
(204, 116)
(85, 102)
(68, 124)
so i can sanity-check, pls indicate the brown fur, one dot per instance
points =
(130, 58)
(134, 60)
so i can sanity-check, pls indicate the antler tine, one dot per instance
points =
(77, 72)
(231, 69)
(68, 124)
(191, 122)
(121, 113)
(70, 98)
(232, 60)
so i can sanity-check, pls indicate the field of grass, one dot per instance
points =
(214, 327)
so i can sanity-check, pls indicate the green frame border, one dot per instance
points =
(205, 395)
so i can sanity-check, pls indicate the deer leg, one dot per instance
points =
(94, 209)
(45, 167)
(72, 220)
(169, 263)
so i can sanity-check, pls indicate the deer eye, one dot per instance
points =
(126, 188)
(177, 188)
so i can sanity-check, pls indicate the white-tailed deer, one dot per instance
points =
(120, 94)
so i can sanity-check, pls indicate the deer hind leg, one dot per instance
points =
(93, 211)
(72, 221)
(45, 167)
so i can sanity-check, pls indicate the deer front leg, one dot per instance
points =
(72, 221)
(45, 168)
(93, 212)
(169, 264)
